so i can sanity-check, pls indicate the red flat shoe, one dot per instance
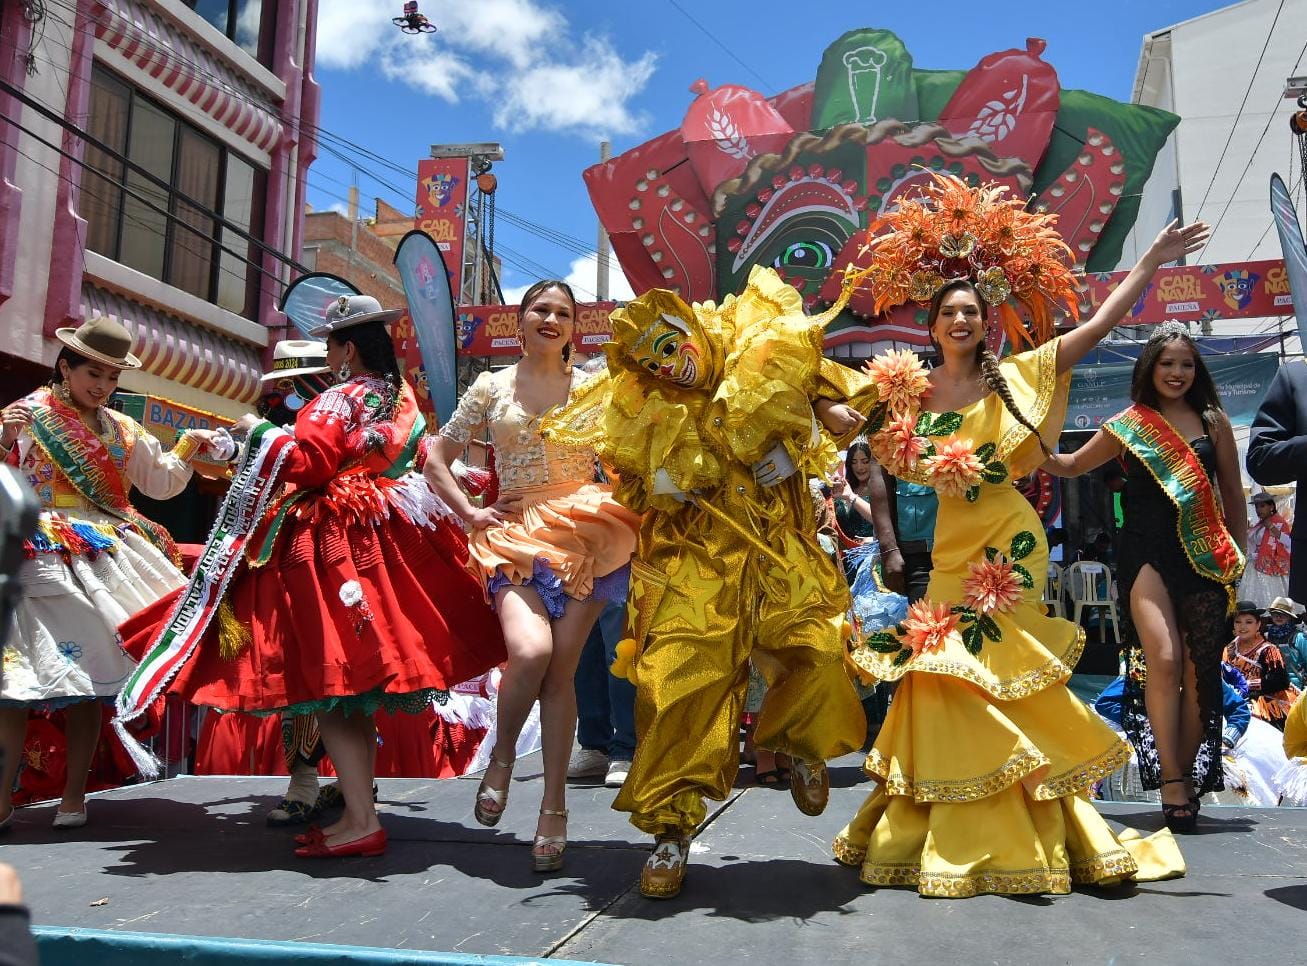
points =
(369, 845)
(310, 835)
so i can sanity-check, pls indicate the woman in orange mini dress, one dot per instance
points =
(552, 550)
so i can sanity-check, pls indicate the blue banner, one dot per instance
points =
(1295, 250)
(1099, 392)
(431, 308)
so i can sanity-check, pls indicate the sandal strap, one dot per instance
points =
(550, 841)
(503, 764)
(554, 811)
(1173, 781)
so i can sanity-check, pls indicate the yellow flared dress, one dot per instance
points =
(985, 760)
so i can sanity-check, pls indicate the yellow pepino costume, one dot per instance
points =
(703, 412)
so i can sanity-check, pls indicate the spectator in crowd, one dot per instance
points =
(1266, 575)
(862, 510)
(605, 705)
(1270, 693)
(913, 507)
(1283, 629)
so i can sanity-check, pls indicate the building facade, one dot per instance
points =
(153, 166)
(1224, 73)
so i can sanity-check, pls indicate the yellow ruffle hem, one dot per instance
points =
(985, 760)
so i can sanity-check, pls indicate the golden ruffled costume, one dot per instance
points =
(568, 531)
(727, 569)
(985, 758)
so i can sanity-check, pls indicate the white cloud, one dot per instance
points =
(581, 276)
(518, 56)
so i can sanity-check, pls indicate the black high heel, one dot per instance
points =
(1180, 819)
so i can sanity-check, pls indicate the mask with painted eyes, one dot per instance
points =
(660, 335)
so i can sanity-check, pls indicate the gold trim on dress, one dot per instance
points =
(1116, 864)
(960, 790)
(964, 885)
(1078, 779)
(1012, 689)
(846, 853)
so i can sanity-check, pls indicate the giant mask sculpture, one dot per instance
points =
(792, 181)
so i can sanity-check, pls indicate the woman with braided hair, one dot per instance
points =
(985, 759)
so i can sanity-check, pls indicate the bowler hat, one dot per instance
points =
(351, 310)
(101, 340)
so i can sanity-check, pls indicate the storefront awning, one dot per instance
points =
(180, 351)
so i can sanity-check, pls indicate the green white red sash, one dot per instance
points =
(85, 460)
(253, 485)
(1177, 469)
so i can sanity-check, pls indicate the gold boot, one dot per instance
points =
(810, 786)
(664, 870)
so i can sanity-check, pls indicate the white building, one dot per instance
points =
(1224, 73)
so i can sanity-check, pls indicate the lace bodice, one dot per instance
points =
(523, 457)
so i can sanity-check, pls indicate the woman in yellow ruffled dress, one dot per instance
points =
(985, 759)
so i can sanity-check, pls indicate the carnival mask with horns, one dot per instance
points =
(659, 334)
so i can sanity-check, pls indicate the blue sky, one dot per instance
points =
(550, 80)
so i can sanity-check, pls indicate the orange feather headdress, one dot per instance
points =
(955, 231)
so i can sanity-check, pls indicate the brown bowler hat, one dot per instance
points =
(102, 340)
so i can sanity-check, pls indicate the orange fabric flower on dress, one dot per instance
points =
(992, 586)
(899, 378)
(897, 447)
(928, 626)
(954, 468)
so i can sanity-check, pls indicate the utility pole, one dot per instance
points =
(601, 267)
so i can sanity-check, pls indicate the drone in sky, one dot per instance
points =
(413, 22)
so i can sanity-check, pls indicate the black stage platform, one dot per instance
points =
(192, 856)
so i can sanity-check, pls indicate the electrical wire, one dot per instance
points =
(332, 143)
(1252, 156)
(1256, 69)
(771, 88)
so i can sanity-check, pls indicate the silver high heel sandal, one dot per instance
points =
(493, 796)
(549, 861)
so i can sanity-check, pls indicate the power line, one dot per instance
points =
(87, 138)
(1252, 156)
(729, 53)
(1269, 34)
(331, 143)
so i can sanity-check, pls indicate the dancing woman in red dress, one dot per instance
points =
(352, 594)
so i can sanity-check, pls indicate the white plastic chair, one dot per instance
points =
(1053, 591)
(1091, 584)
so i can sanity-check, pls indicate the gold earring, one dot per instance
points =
(64, 392)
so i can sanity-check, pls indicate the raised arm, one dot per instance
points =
(1228, 480)
(1101, 447)
(1171, 244)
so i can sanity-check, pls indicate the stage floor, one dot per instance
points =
(192, 856)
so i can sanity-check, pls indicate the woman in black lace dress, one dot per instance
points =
(1179, 559)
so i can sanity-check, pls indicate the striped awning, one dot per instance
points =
(172, 348)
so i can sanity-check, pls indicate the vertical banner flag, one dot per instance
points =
(442, 211)
(1295, 251)
(431, 313)
(306, 299)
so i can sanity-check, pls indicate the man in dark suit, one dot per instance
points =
(1277, 454)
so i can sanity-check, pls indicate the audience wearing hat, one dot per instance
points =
(1266, 576)
(1283, 628)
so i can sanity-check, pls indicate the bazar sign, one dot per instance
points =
(491, 330)
(1200, 293)
(164, 418)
